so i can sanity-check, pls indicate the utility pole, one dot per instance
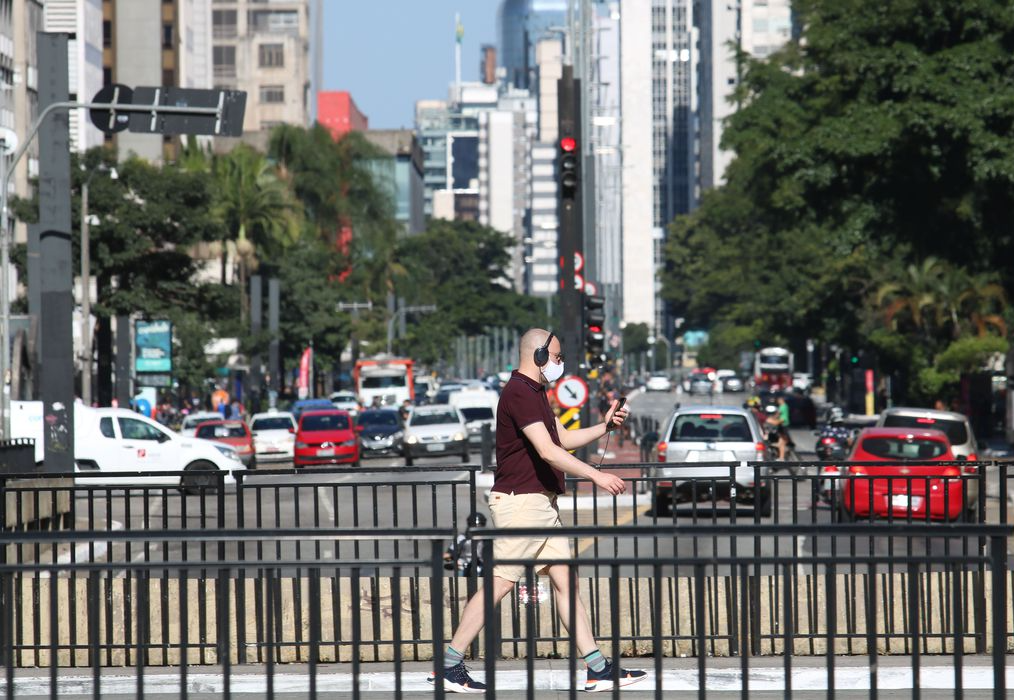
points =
(429, 308)
(355, 307)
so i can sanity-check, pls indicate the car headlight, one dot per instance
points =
(349, 443)
(411, 439)
(301, 445)
(459, 436)
(227, 451)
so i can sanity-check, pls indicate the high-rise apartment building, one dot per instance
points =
(20, 21)
(264, 48)
(82, 20)
(155, 43)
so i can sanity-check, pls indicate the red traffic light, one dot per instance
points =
(568, 144)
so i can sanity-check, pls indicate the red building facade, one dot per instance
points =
(337, 112)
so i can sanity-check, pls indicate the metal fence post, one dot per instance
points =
(998, 564)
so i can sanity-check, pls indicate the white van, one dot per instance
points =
(110, 440)
(478, 408)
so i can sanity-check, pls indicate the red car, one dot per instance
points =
(919, 487)
(326, 437)
(231, 432)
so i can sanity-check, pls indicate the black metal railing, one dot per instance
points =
(145, 614)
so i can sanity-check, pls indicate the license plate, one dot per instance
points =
(434, 448)
(905, 501)
(328, 452)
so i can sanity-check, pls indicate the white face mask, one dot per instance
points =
(552, 371)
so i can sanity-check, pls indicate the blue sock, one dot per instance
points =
(596, 662)
(453, 657)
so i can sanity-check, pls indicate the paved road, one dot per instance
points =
(383, 492)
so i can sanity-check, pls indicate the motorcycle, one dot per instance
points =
(833, 444)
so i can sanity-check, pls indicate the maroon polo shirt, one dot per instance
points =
(519, 468)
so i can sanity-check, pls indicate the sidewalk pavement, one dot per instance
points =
(723, 679)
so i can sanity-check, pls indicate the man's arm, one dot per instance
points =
(573, 439)
(558, 458)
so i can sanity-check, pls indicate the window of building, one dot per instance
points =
(167, 36)
(274, 21)
(168, 76)
(223, 24)
(271, 55)
(224, 58)
(107, 33)
(272, 94)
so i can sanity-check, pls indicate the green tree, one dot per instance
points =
(254, 207)
(462, 268)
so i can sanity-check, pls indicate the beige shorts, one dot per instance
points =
(525, 510)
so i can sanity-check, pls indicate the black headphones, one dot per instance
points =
(541, 355)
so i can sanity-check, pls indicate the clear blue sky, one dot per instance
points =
(390, 53)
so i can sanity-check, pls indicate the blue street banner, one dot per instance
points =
(154, 346)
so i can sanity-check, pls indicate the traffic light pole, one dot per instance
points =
(569, 215)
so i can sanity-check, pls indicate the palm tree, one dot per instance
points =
(254, 205)
(916, 295)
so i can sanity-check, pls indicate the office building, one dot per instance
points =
(521, 25)
(82, 20)
(759, 28)
(338, 113)
(401, 175)
(264, 49)
(657, 103)
(155, 43)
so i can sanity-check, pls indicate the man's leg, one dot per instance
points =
(474, 615)
(559, 574)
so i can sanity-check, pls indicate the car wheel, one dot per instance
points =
(464, 457)
(844, 514)
(253, 463)
(199, 477)
(408, 458)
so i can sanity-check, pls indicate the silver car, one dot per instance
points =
(955, 425)
(696, 435)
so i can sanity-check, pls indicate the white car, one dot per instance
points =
(432, 431)
(802, 381)
(658, 382)
(190, 423)
(345, 401)
(274, 436)
(111, 440)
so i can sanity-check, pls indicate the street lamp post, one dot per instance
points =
(86, 302)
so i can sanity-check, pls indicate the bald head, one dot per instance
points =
(533, 339)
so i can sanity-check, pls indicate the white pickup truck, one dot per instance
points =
(111, 440)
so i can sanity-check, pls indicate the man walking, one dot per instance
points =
(532, 459)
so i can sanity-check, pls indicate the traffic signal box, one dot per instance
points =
(594, 328)
(569, 174)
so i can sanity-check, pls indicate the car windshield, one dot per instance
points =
(710, 427)
(903, 448)
(477, 413)
(221, 431)
(325, 422)
(273, 423)
(380, 418)
(383, 382)
(435, 418)
(955, 429)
